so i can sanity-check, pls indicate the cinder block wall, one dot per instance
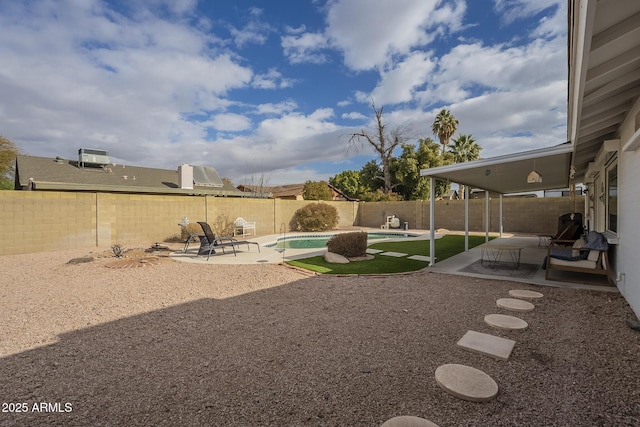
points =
(521, 215)
(43, 221)
(48, 221)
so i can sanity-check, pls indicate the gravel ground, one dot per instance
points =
(178, 344)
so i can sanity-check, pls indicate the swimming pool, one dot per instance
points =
(320, 240)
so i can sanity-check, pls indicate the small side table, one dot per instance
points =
(494, 252)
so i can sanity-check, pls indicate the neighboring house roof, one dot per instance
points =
(46, 173)
(292, 192)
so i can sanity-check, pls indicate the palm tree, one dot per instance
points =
(444, 126)
(464, 149)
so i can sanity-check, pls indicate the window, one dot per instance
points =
(612, 198)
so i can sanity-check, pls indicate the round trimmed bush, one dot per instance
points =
(316, 217)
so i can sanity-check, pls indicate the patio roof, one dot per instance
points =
(604, 75)
(508, 174)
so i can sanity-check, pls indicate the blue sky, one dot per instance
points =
(272, 88)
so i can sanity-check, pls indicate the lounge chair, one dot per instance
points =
(192, 236)
(569, 228)
(209, 242)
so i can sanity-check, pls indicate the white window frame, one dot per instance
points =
(613, 164)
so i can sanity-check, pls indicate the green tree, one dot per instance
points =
(317, 190)
(8, 153)
(444, 126)
(384, 142)
(426, 154)
(348, 182)
(371, 176)
(464, 149)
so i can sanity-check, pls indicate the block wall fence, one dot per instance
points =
(50, 221)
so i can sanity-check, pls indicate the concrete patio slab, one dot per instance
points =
(466, 383)
(408, 421)
(502, 321)
(489, 345)
(525, 294)
(374, 251)
(513, 304)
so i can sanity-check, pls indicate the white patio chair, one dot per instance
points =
(243, 227)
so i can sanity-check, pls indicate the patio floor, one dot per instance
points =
(465, 263)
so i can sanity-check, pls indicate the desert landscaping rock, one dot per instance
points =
(525, 294)
(513, 304)
(80, 260)
(334, 258)
(187, 344)
(502, 321)
(408, 421)
(466, 383)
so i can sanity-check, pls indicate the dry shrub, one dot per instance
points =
(350, 245)
(222, 226)
(316, 217)
(193, 227)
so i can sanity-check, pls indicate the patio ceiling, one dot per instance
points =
(508, 174)
(604, 73)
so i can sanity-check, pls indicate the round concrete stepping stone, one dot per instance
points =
(515, 304)
(502, 321)
(466, 383)
(408, 421)
(523, 293)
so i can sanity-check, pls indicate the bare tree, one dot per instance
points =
(383, 142)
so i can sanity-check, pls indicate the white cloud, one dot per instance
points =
(369, 35)
(305, 48)
(272, 79)
(276, 108)
(354, 116)
(231, 122)
(512, 10)
(255, 31)
(398, 84)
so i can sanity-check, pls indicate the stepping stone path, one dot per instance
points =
(419, 258)
(489, 345)
(515, 304)
(524, 294)
(408, 421)
(502, 321)
(466, 383)
(394, 254)
(471, 384)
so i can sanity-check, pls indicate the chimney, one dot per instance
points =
(185, 176)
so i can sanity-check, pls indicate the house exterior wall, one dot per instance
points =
(626, 252)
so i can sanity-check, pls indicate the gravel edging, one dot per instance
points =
(188, 344)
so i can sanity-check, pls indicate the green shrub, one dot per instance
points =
(349, 245)
(316, 217)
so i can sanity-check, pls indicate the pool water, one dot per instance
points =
(320, 240)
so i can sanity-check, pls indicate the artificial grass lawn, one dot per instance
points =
(446, 247)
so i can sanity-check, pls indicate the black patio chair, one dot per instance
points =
(209, 242)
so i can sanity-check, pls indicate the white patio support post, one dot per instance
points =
(486, 216)
(500, 214)
(432, 222)
(466, 218)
